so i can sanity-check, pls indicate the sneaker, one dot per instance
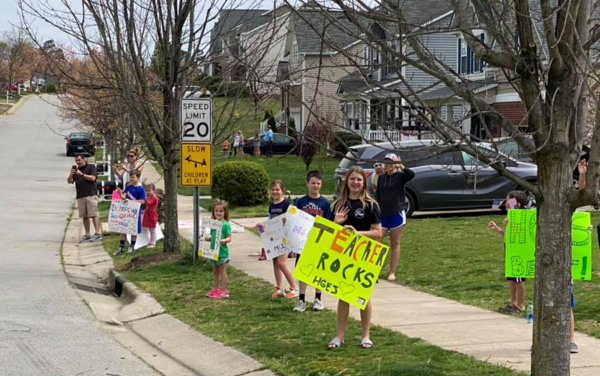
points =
(318, 305)
(223, 293)
(96, 238)
(277, 293)
(214, 293)
(130, 250)
(574, 348)
(120, 251)
(293, 293)
(300, 306)
(86, 238)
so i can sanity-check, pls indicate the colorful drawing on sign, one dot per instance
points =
(123, 217)
(520, 244)
(297, 227)
(272, 235)
(210, 249)
(341, 263)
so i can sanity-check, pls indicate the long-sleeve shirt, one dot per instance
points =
(390, 191)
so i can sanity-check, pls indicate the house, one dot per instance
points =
(375, 100)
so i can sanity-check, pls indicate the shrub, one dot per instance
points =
(311, 140)
(343, 140)
(240, 183)
(50, 88)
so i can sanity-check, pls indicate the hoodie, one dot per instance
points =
(390, 191)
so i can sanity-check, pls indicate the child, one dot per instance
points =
(241, 144)
(136, 193)
(358, 212)
(278, 207)
(150, 214)
(314, 204)
(256, 145)
(220, 212)
(514, 200)
(225, 146)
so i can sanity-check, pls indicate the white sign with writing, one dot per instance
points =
(272, 235)
(210, 248)
(123, 217)
(297, 227)
(196, 120)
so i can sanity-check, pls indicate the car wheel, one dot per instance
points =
(411, 203)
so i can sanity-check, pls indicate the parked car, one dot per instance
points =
(282, 144)
(80, 143)
(449, 180)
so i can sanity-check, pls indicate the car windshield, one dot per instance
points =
(80, 136)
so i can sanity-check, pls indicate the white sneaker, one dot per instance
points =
(318, 305)
(300, 307)
(130, 250)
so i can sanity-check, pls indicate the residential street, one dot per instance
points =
(45, 328)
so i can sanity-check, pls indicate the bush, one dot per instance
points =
(311, 141)
(343, 140)
(50, 88)
(240, 183)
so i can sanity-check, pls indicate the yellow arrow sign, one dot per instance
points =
(196, 165)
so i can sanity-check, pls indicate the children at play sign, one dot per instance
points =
(341, 262)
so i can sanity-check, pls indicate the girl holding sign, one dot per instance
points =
(278, 207)
(357, 212)
(220, 212)
(134, 192)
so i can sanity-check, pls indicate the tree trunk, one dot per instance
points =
(171, 242)
(551, 355)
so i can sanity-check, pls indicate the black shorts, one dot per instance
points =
(297, 259)
(516, 279)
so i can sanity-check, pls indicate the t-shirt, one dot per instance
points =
(314, 206)
(278, 209)
(359, 217)
(135, 192)
(84, 187)
(225, 232)
(269, 135)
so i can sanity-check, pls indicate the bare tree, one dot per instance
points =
(543, 52)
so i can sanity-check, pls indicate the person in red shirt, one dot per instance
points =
(150, 214)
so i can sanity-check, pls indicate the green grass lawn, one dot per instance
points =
(268, 330)
(459, 258)
(248, 122)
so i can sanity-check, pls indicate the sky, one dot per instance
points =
(9, 14)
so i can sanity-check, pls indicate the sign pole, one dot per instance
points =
(196, 223)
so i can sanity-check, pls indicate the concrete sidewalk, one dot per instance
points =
(485, 335)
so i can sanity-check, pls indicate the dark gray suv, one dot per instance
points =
(443, 181)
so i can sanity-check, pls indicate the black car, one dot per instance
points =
(80, 143)
(282, 144)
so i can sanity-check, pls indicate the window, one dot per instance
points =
(468, 62)
(352, 112)
(391, 61)
(294, 55)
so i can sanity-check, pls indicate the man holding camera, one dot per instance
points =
(84, 176)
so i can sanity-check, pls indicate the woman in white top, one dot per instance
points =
(122, 172)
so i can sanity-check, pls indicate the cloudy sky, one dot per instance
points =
(9, 14)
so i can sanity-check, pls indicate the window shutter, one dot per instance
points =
(458, 58)
(469, 61)
(481, 62)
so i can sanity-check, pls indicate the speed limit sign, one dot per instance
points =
(196, 120)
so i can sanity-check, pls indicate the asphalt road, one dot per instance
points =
(45, 328)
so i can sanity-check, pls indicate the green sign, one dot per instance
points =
(520, 244)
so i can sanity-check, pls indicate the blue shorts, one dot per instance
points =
(572, 297)
(392, 222)
(222, 261)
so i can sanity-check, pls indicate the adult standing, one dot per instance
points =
(358, 212)
(84, 176)
(256, 145)
(241, 144)
(391, 198)
(268, 137)
(133, 163)
(236, 142)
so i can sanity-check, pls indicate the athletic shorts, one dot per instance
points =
(395, 221)
(222, 260)
(516, 279)
(88, 206)
(572, 297)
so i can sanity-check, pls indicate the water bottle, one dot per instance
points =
(530, 313)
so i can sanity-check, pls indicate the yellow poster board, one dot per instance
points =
(196, 165)
(341, 263)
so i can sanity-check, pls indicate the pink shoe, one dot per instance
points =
(223, 294)
(214, 293)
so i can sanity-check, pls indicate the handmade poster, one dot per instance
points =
(272, 235)
(210, 249)
(297, 228)
(143, 238)
(123, 217)
(341, 262)
(520, 244)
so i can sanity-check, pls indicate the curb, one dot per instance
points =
(18, 105)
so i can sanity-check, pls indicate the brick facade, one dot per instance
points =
(513, 111)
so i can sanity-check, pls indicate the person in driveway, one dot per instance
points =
(84, 176)
(391, 198)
